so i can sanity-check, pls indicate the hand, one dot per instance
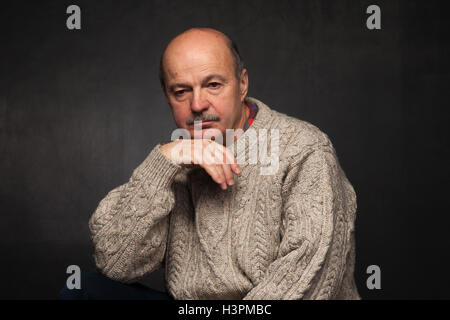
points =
(214, 158)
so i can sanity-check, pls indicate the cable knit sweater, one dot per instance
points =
(288, 235)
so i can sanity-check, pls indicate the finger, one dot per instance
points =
(224, 170)
(205, 160)
(215, 174)
(228, 174)
(210, 163)
(223, 178)
(224, 167)
(231, 160)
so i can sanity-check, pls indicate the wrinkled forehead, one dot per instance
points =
(193, 56)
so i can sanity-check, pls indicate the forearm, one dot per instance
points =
(129, 227)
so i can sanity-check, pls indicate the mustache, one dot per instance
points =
(203, 117)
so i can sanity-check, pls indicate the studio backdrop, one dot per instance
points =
(81, 107)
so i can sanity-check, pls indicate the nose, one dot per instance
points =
(198, 103)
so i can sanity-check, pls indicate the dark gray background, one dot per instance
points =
(79, 110)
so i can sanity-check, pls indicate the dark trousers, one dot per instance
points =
(95, 286)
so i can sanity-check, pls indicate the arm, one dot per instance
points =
(319, 206)
(130, 225)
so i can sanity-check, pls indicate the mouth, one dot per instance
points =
(205, 124)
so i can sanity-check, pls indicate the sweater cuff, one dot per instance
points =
(158, 168)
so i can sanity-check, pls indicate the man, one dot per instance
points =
(220, 228)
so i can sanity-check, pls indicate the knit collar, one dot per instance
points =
(252, 110)
(263, 119)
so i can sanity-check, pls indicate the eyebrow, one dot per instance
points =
(205, 80)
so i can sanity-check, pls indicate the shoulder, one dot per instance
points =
(301, 133)
(297, 139)
(292, 130)
(297, 136)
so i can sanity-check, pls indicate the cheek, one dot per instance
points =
(224, 108)
(180, 114)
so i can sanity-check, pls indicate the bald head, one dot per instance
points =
(195, 42)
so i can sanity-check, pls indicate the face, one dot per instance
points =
(201, 84)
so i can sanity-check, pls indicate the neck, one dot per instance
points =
(241, 123)
(244, 116)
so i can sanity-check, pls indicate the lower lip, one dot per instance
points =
(207, 123)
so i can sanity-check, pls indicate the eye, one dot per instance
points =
(179, 92)
(214, 85)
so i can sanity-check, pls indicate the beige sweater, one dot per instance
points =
(289, 235)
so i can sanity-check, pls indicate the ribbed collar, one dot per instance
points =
(252, 110)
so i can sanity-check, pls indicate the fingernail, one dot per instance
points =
(230, 182)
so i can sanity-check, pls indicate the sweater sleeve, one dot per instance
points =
(130, 225)
(319, 206)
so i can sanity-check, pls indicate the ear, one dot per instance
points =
(243, 84)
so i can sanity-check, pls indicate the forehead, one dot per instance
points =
(196, 56)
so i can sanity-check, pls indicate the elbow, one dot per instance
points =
(114, 271)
